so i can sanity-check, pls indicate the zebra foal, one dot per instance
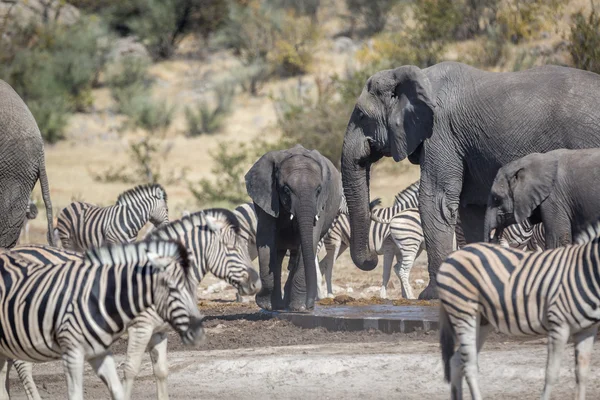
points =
(69, 311)
(554, 293)
(83, 225)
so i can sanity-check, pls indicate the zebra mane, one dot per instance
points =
(375, 203)
(588, 234)
(117, 253)
(198, 219)
(407, 192)
(149, 188)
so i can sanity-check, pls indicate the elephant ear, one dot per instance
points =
(329, 177)
(410, 119)
(531, 184)
(260, 183)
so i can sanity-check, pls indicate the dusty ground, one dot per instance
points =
(251, 357)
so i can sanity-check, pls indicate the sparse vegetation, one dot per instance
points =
(206, 119)
(585, 41)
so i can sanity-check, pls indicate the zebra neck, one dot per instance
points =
(133, 219)
(120, 293)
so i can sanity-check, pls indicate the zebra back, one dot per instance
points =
(213, 237)
(43, 254)
(409, 197)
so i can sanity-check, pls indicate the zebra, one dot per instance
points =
(553, 292)
(84, 225)
(524, 236)
(69, 310)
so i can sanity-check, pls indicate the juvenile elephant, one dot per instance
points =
(297, 194)
(460, 124)
(21, 165)
(559, 188)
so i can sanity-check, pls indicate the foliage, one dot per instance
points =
(128, 81)
(371, 13)
(585, 42)
(231, 164)
(161, 24)
(522, 19)
(53, 68)
(205, 119)
(268, 40)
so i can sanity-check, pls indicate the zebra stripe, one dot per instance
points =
(83, 225)
(553, 293)
(70, 310)
(246, 216)
(409, 197)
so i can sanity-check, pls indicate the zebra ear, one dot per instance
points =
(157, 261)
(212, 223)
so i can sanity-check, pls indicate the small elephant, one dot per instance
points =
(21, 165)
(297, 194)
(558, 188)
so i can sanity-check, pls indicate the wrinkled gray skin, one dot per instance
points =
(558, 188)
(460, 124)
(21, 165)
(304, 184)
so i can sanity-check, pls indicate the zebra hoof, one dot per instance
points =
(330, 295)
(383, 292)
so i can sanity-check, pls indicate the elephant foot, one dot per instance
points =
(298, 305)
(266, 302)
(430, 292)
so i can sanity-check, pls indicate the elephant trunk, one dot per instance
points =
(306, 225)
(491, 222)
(355, 177)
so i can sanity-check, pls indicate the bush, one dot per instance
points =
(267, 40)
(128, 81)
(585, 42)
(53, 67)
(161, 24)
(205, 119)
(522, 19)
(372, 13)
(231, 165)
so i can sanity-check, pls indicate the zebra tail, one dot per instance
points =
(446, 341)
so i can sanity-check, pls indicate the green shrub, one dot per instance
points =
(128, 81)
(53, 67)
(161, 24)
(230, 166)
(371, 13)
(207, 119)
(585, 42)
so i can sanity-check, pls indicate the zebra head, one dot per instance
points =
(159, 210)
(175, 290)
(227, 257)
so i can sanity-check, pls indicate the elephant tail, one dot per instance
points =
(446, 341)
(43, 177)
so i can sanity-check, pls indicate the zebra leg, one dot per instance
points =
(25, 372)
(320, 289)
(388, 258)
(73, 361)
(160, 366)
(139, 337)
(329, 272)
(466, 333)
(405, 261)
(584, 345)
(456, 362)
(326, 266)
(557, 341)
(4, 372)
(104, 366)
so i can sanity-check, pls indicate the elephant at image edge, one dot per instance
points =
(558, 188)
(460, 124)
(296, 194)
(21, 165)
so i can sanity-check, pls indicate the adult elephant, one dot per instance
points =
(21, 165)
(297, 195)
(460, 124)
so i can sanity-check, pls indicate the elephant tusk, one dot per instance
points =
(316, 217)
(291, 217)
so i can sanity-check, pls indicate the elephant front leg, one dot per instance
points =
(270, 257)
(438, 206)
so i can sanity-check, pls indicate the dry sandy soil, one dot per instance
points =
(249, 356)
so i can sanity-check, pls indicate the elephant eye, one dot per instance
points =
(287, 190)
(318, 190)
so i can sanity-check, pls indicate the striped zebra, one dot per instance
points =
(84, 225)
(524, 236)
(554, 293)
(212, 237)
(246, 216)
(69, 311)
